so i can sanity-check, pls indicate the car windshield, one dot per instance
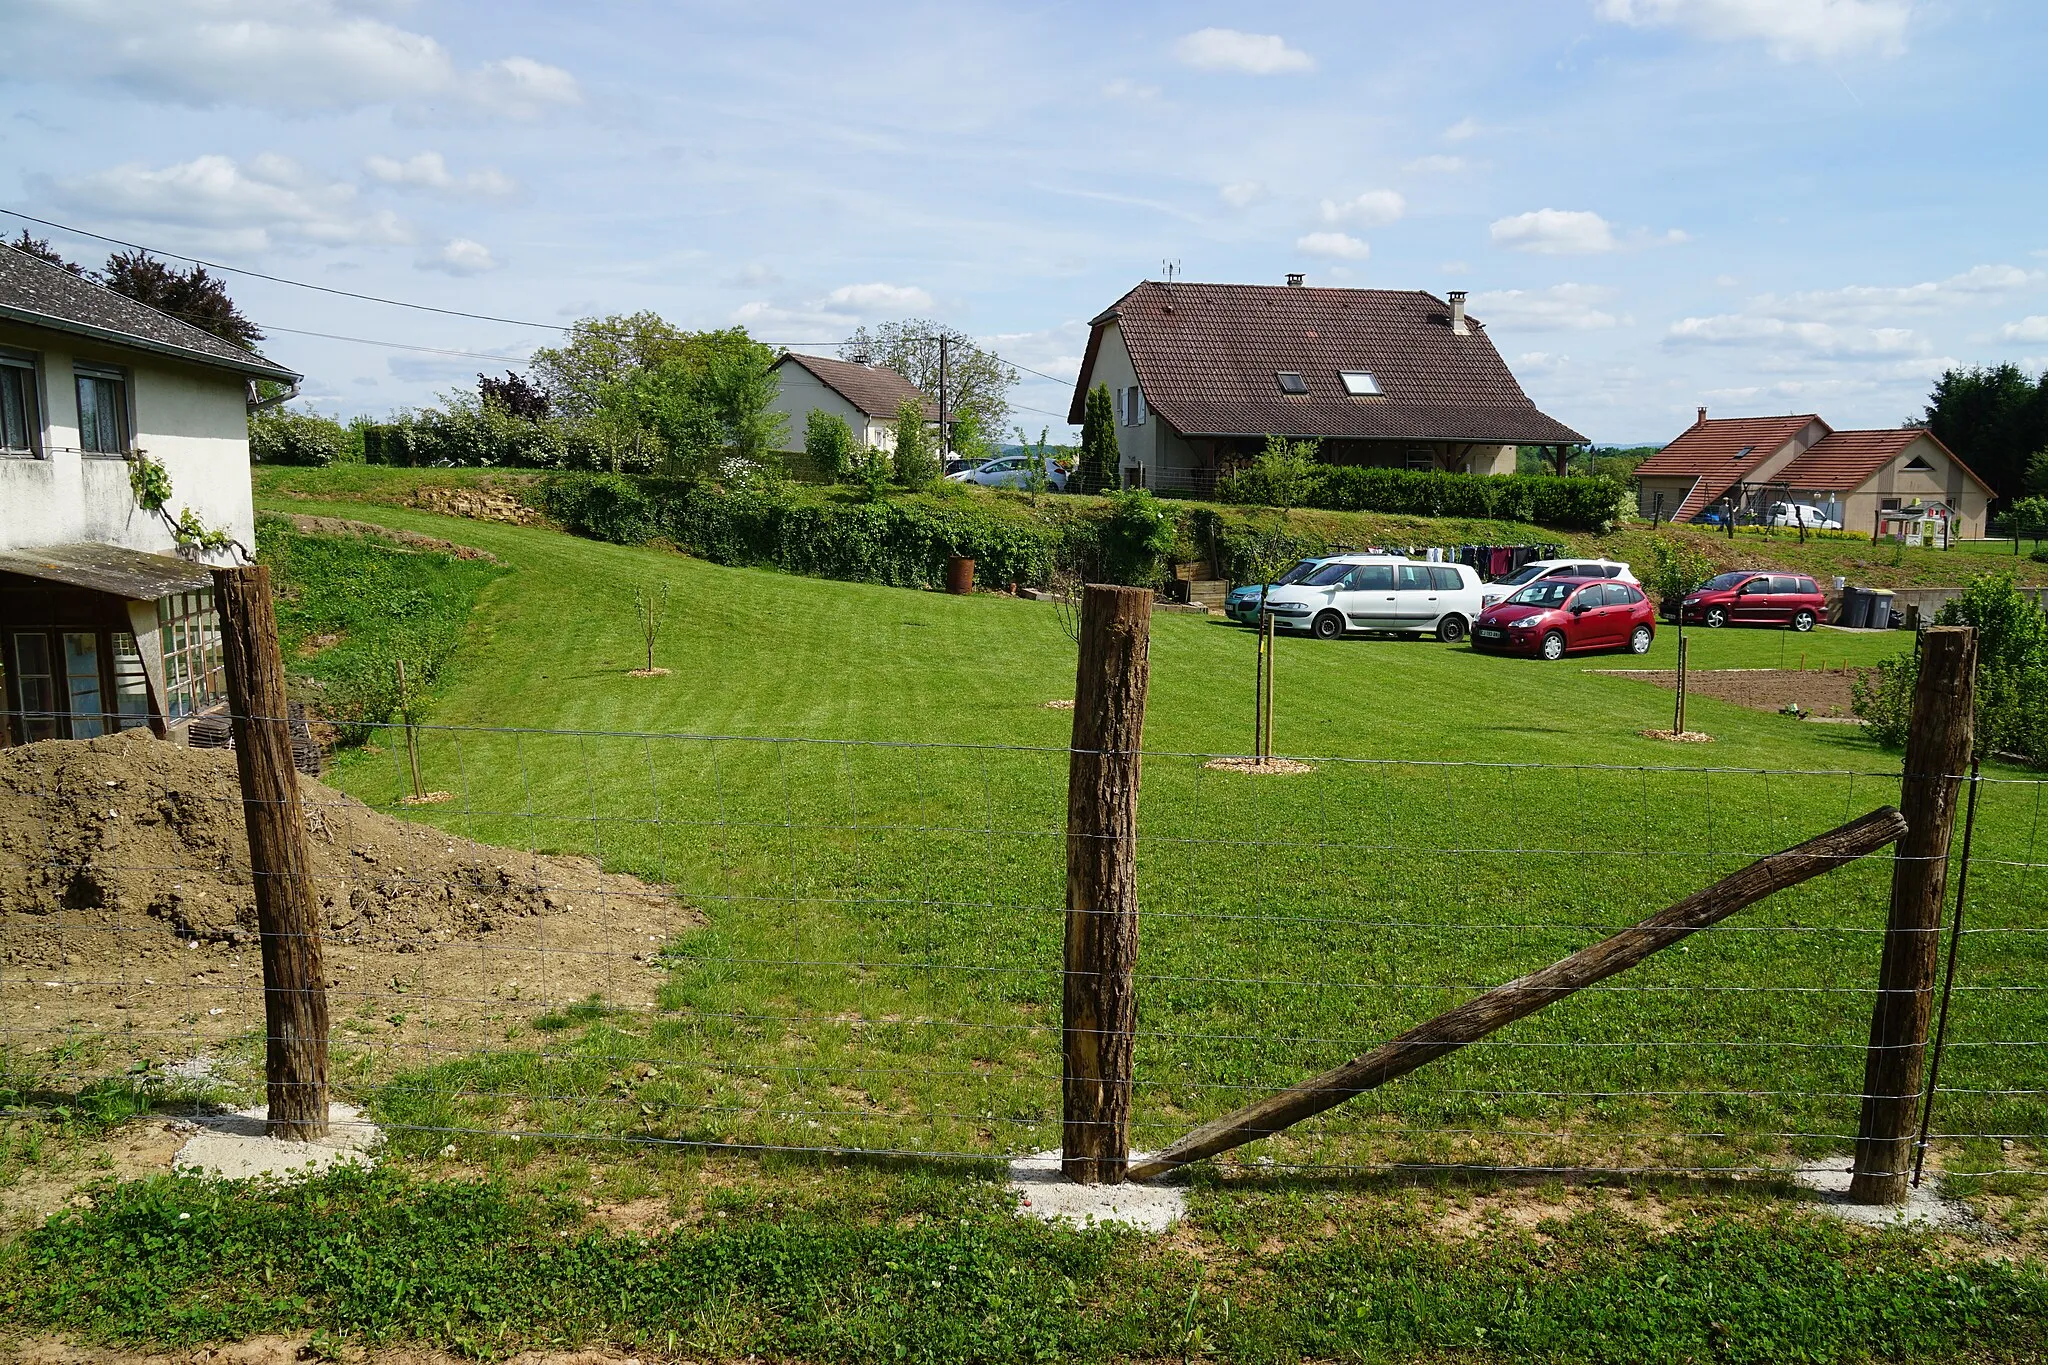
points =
(1521, 576)
(1327, 574)
(1547, 594)
(1297, 573)
(1723, 582)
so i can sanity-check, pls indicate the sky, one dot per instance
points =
(1763, 206)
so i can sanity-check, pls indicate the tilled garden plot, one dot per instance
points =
(1826, 694)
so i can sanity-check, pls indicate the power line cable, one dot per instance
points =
(279, 279)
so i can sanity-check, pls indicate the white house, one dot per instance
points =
(106, 622)
(867, 396)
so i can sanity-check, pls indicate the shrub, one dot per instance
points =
(1097, 471)
(601, 506)
(1137, 534)
(280, 436)
(917, 451)
(1576, 503)
(828, 441)
(1675, 569)
(2012, 672)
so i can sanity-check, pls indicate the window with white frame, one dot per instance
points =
(195, 674)
(102, 410)
(20, 424)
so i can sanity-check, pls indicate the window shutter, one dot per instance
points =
(1138, 402)
(1122, 396)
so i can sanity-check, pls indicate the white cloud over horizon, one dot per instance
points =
(1790, 30)
(460, 256)
(1559, 307)
(216, 200)
(429, 171)
(1338, 245)
(1253, 54)
(1373, 208)
(1554, 232)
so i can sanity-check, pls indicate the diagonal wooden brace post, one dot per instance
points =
(1502, 1005)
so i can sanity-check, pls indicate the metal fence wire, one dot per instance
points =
(814, 946)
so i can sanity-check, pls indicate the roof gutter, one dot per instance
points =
(257, 365)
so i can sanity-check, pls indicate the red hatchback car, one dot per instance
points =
(1553, 617)
(1748, 598)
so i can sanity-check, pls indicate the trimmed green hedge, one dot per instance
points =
(1575, 504)
(900, 543)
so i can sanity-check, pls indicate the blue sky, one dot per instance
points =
(1761, 205)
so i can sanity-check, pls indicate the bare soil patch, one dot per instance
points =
(411, 540)
(1826, 694)
(1678, 736)
(127, 912)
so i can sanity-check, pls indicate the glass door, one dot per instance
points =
(82, 684)
(35, 685)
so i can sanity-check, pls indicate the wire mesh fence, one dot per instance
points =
(857, 947)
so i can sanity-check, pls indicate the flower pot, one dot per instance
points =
(959, 575)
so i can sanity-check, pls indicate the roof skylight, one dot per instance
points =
(1360, 383)
(1290, 382)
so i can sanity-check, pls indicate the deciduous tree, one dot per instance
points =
(190, 295)
(977, 380)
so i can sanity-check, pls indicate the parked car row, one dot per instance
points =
(1007, 471)
(1752, 598)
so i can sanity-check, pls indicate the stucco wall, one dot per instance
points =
(194, 420)
(799, 392)
(1944, 482)
(1137, 446)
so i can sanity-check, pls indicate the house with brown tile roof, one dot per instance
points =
(1739, 465)
(1203, 373)
(867, 396)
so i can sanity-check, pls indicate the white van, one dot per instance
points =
(1379, 593)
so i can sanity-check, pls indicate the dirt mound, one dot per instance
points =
(125, 885)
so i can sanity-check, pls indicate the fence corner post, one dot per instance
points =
(1937, 754)
(1098, 998)
(287, 910)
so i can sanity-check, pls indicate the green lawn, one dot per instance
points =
(861, 788)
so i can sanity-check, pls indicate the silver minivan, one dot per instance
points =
(1380, 593)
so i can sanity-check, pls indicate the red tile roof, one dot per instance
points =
(876, 391)
(1843, 461)
(1719, 453)
(1206, 356)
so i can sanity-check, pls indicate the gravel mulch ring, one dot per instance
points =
(1682, 737)
(1065, 704)
(1826, 695)
(647, 673)
(1259, 767)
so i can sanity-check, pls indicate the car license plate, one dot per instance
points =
(1488, 633)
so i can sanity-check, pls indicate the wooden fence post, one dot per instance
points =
(1099, 996)
(287, 911)
(1937, 752)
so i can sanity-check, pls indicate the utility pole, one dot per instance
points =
(945, 429)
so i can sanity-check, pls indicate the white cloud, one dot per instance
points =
(296, 56)
(429, 171)
(1790, 30)
(1341, 245)
(1255, 54)
(1123, 88)
(1464, 130)
(1555, 232)
(215, 200)
(753, 275)
(2033, 328)
(1545, 361)
(1374, 208)
(880, 298)
(1442, 165)
(460, 256)
(1560, 308)
(1242, 193)
(1818, 338)
(1864, 301)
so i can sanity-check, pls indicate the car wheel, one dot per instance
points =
(1451, 629)
(1803, 622)
(1717, 617)
(1328, 626)
(1553, 646)
(1639, 640)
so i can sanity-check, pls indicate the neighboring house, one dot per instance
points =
(104, 625)
(1739, 465)
(1204, 373)
(867, 396)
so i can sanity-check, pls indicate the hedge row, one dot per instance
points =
(899, 543)
(1574, 504)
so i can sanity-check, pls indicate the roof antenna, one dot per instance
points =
(1169, 271)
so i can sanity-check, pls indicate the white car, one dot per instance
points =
(1501, 589)
(1802, 514)
(1379, 593)
(1012, 471)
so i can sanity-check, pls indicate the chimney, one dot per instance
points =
(1294, 279)
(1703, 415)
(1458, 327)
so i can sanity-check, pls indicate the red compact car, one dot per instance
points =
(1748, 598)
(1553, 617)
